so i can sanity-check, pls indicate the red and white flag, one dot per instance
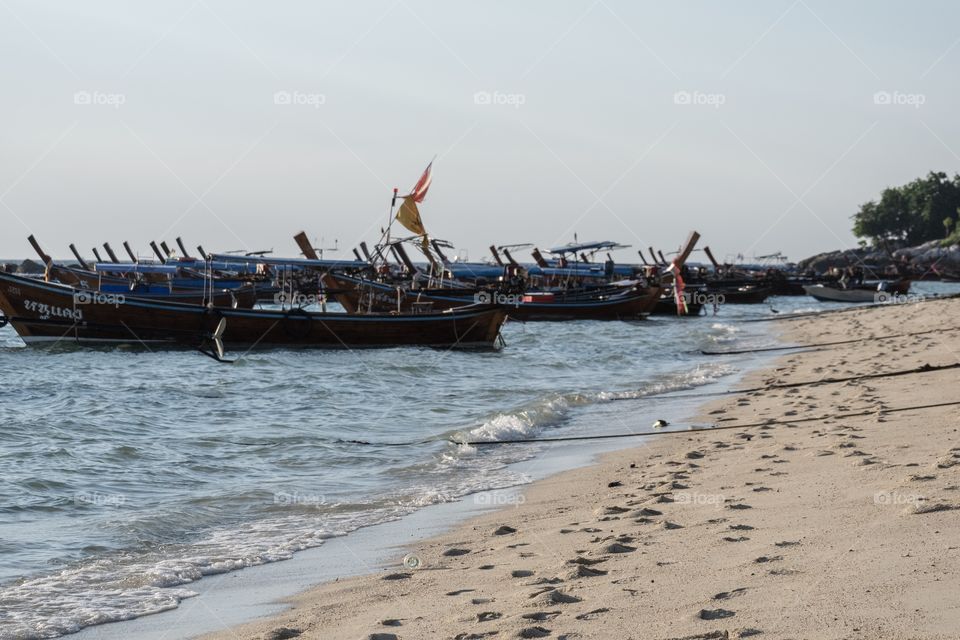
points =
(419, 191)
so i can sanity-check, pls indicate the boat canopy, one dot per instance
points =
(303, 263)
(588, 246)
(134, 267)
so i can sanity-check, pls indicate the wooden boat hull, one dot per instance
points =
(360, 295)
(45, 313)
(858, 295)
(741, 295)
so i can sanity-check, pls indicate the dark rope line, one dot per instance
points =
(927, 368)
(838, 416)
(793, 316)
(825, 344)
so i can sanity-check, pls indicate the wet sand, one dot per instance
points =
(826, 528)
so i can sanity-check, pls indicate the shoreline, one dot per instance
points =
(596, 549)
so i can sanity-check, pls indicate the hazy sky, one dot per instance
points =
(237, 124)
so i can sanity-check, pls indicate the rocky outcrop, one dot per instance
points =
(931, 253)
(921, 257)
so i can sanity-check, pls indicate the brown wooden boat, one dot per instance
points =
(43, 312)
(359, 295)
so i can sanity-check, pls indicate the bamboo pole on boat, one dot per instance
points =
(183, 249)
(305, 247)
(110, 253)
(133, 256)
(76, 254)
(156, 250)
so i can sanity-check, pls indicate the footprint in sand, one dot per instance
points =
(454, 552)
(520, 573)
(737, 539)
(397, 576)
(765, 559)
(540, 616)
(585, 572)
(715, 614)
(590, 615)
(787, 543)
(734, 593)
(486, 616)
(741, 527)
(504, 530)
(739, 506)
(535, 632)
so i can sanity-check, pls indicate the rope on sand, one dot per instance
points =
(926, 368)
(826, 344)
(768, 423)
(809, 314)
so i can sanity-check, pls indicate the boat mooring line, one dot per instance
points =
(810, 314)
(926, 368)
(839, 416)
(825, 344)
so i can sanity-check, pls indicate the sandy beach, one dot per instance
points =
(824, 528)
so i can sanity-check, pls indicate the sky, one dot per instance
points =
(761, 124)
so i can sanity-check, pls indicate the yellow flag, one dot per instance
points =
(409, 216)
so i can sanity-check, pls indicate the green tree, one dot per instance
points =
(912, 213)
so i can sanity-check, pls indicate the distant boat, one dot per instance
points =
(881, 292)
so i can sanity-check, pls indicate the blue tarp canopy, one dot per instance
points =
(588, 246)
(303, 263)
(133, 267)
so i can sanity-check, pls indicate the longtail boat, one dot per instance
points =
(627, 302)
(43, 312)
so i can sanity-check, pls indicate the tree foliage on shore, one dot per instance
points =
(917, 212)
